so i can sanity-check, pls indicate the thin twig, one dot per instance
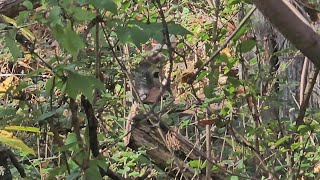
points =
(224, 45)
(122, 66)
(256, 152)
(306, 97)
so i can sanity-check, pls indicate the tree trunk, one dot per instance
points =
(11, 8)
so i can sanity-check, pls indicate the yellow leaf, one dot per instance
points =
(6, 134)
(7, 83)
(23, 30)
(9, 20)
(10, 140)
(227, 52)
(25, 128)
(27, 56)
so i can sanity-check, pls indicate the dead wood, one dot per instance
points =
(144, 134)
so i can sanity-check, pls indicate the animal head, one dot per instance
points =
(149, 73)
(148, 76)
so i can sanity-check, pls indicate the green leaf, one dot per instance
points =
(222, 58)
(195, 163)
(77, 84)
(280, 168)
(303, 129)
(46, 115)
(208, 91)
(81, 14)
(234, 178)
(124, 170)
(7, 112)
(54, 17)
(295, 146)
(123, 34)
(315, 125)
(241, 32)
(134, 173)
(108, 5)
(202, 75)
(246, 46)
(73, 175)
(215, 169)
(23, 15)
(138, 36)
(28, 4)
(93, 171)
(282, 140)
(71, 138)
(213, 81)
(22, 85)
(68, 39)
(103, 164)
(133, 34)
(57, 171)
(24, 31)
(306, 165)
(177, 29)
(3, 26)
(12, 45)
(73, 42)
(68, 147)
(36, 72)
(49, 86)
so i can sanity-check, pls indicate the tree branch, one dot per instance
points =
(293, 26)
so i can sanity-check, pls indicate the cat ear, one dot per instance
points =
(173, 41)
(156, 58)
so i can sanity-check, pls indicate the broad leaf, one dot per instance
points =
(195, 163)
(241, 32)
(68, 39)
(10, 140)
(177, 29)
(81, 14)
(23, 30)
(7, 112)
(282, 140)
(28, 4)
(109, 5)
(46, 115)
(247, 45)
(12, 45)
(77, 84)
(303, 129)
(49, 86)
(93, 171)
(139, 36)
(25, 128)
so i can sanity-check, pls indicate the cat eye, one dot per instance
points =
(156, 74)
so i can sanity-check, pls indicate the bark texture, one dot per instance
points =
(144, 134)
(10, 7)
(288, 27)
(292, 26)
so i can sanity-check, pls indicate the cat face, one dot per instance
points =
(148, 79)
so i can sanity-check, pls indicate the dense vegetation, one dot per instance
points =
(154, 89)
